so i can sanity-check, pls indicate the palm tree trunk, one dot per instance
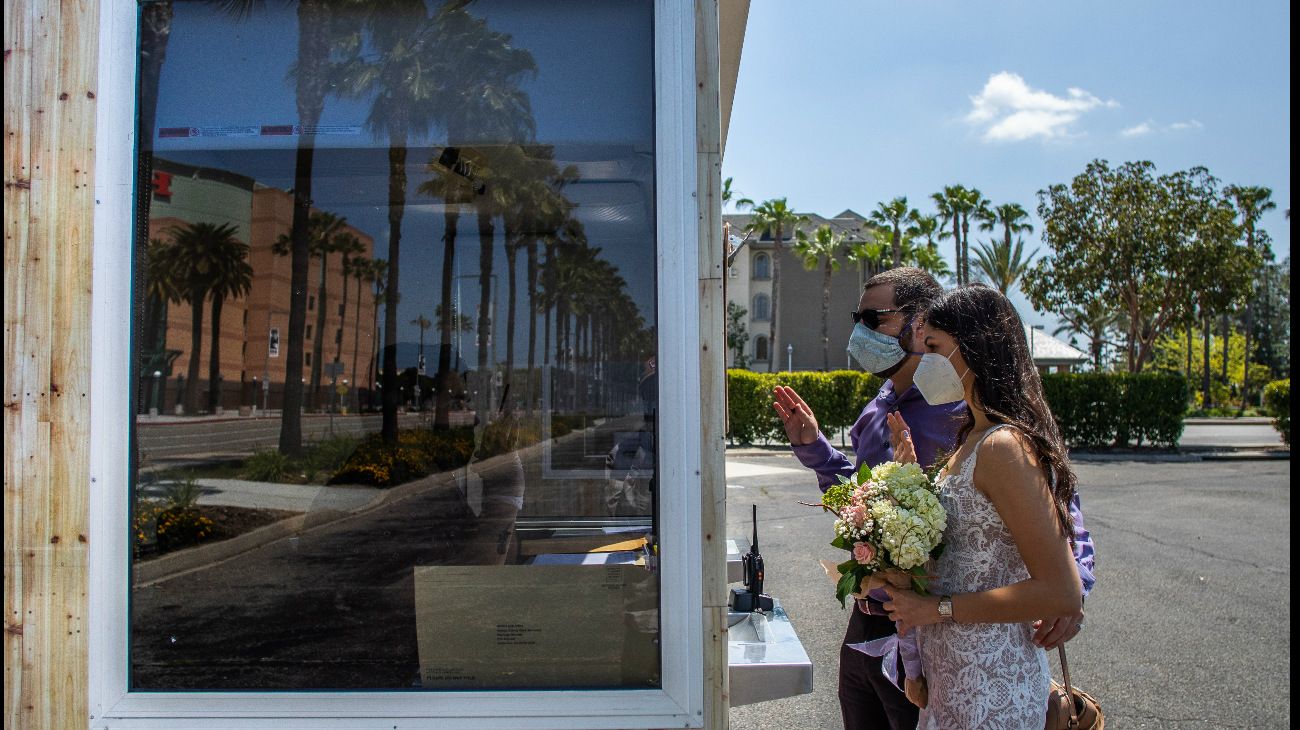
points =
(532, 324)
(486, 235)
(214, 356)
(196, 353)
(776, 286)
(313, 51)
(343, 308)
(396, 209)
(1206, 394)
(356, 349)
(1245, 364)
(897, 244)
(956, 243)
(318, 342)
(826, 316)
(1227, 340)
(512, 254)
(442, 402)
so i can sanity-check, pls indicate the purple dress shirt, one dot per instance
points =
(934, 434)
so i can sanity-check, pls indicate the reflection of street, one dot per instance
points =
(188, 438)
(332, 607)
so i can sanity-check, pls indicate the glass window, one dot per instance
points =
(477, 456)
(762, 266)
(762, 307)
(760, 348)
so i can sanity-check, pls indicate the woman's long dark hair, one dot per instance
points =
(991, 339)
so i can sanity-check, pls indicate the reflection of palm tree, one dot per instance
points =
(378, 277)
(423, 323)
(310, 79)
(325, 236)
(404, 78)
(823, 246)
(233, 277)
(361, 269)
(193, 261)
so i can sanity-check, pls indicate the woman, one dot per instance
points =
(1008, 557)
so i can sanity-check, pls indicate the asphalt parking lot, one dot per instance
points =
(1187, 627)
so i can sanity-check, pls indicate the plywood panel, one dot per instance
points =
(50, 71)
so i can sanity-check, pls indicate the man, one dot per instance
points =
(882, 344)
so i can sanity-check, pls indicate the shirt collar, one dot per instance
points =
(891, 397)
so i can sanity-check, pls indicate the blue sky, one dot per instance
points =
(846, 104)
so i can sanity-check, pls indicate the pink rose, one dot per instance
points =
(863, 552)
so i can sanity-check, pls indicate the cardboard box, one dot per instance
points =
(537, 626)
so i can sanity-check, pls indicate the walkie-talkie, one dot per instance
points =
(752, 597)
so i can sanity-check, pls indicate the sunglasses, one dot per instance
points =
(870, 318)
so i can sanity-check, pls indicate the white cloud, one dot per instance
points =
(1138, 131)
(1184, 126)
(1011, 111)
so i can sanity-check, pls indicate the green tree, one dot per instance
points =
(823, 249)
(872, 253)
(957, 204)
(774, 216)
(1142, 242)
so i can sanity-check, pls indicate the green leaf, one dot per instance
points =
(850, 565)
(937, 551)
(842, 543)
(847, 584)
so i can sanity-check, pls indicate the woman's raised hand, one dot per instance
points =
(798, 419)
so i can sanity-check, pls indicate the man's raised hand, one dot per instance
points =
(798, 419)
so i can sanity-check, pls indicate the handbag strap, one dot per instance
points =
(1069, 691)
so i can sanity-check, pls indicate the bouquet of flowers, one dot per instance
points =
(888, 519)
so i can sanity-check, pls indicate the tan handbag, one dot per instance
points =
(1070, 708)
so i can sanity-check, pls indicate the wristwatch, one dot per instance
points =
(945, 609)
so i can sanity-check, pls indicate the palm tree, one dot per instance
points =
(822, 248)
(1010, 216)
(927, 257)
(958, 204)
(193, 260)
(774, 216)
(1001, 263)
(405, 79)
(423, 323)
(323, 238)
(378, 277)
(872, 254)
(1093, 320)
(1251, 203)
(363, 270)
(892, 215)
(232, 277)
(348, 245)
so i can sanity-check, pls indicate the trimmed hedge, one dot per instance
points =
(836, 398)
(1092, 409)
(1277, 399)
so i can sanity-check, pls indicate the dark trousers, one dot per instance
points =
(868, 700)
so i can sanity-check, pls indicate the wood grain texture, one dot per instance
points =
(712, 354)
(51, 51)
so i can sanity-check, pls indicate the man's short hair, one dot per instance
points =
(914, 289)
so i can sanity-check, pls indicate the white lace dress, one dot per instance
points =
(979, 675)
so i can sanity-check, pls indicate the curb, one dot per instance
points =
(1188, 454)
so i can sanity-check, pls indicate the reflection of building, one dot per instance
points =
(184, 194)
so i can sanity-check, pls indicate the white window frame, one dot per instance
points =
(680, 702)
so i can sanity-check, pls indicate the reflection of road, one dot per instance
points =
(332, 607)
(175, 438)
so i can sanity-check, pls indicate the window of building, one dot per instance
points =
(762, 307)
(413, 609)
(760, 348)
(762, 266)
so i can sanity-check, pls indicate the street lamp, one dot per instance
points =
(789, 357)
(157, 393)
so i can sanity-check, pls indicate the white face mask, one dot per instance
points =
(874, 351)
(938, 380)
